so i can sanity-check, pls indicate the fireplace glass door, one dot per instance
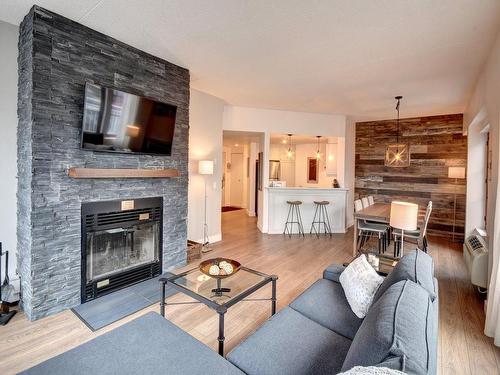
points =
(119, 249)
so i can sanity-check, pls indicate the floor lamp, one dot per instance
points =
(456, 173)
(205, 167)
(404, 216)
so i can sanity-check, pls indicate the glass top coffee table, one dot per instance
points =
(219, 294)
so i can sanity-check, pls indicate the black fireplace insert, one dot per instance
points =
(121, 244)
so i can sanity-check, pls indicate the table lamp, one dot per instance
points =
(205, 167)
(404, 216)
(456, 173)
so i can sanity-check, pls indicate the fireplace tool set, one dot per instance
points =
(6, 291)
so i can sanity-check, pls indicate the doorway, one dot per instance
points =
(237, 171)
(239, 189)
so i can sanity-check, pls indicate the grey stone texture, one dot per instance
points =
(56, 57)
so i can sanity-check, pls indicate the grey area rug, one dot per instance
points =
(108, 309)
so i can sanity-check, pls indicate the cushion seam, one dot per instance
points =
(427, 333)
(394, 323)
(318, 323)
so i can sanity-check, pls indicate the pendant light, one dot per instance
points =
(397, 154)
(318, 154)
(289, 152)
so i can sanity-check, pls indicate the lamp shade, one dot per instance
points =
(404, 215)
(206, 167)
(456, 172)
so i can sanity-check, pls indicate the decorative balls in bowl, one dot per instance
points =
(219, 268)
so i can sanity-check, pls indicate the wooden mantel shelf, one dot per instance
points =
(122, 173)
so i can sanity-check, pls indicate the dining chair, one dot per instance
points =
(365, 202)
(419, 235)
(371, 200)
(367, 230)
(358, 206)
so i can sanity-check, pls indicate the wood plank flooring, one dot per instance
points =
(463, 349)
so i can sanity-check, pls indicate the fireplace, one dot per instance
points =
(121, 244)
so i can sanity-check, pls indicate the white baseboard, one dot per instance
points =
(259, 227)
(250, 213)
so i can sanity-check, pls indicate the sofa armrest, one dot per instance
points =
(333, 271)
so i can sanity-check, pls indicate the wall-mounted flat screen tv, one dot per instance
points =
(116, 121)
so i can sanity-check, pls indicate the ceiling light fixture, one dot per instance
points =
(289, 152)
(397, 154)
(318, 155)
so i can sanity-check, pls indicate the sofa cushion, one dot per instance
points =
(289, 343)
(400, 328)
(325, 303)
(416, 266)
(333, 271)
(149, 344)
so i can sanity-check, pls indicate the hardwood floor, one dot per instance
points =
(463, 349)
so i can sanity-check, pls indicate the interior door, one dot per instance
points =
(236, 192)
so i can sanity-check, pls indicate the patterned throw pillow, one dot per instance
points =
(371, 370)
(360, 283)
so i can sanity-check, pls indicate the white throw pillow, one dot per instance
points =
(372, 370)
(360, 283)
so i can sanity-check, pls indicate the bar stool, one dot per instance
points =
(293, 217)
(321, 217)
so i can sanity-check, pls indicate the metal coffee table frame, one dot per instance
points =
(221, 309)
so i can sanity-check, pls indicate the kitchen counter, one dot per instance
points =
(278, 208)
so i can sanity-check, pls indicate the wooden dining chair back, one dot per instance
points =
(423, 228)
(358, 206)
(365, 202)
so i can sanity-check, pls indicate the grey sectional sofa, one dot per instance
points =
(317, 334)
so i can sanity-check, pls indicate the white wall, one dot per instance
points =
(273, 121)
(205, 143)
(476, 175)
(484, 107)
(302, 153)
(253, 153)
(269, 122)
(8, 148)
(349, 170)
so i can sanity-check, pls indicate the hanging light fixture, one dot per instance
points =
(318, 154)
(397, 154)
(289, 153)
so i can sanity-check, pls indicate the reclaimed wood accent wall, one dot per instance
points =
(436, 143)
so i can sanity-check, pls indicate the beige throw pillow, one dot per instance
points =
(360, 283)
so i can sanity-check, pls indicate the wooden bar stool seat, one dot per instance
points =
(293, 217)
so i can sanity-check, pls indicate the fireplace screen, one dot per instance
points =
(121, 244)
(115, 250)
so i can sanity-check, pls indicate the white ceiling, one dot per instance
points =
(333, 56)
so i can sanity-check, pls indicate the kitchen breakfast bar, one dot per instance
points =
(278, 207)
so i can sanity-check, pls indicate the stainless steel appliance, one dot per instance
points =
(274, 170)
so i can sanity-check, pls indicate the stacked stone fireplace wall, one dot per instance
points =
(56, 58)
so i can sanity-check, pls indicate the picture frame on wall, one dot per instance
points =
(312, 170)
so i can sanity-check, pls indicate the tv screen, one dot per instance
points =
(116, 121)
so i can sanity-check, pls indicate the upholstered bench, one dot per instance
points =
(149, 344)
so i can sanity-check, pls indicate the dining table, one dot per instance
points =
(377, 212)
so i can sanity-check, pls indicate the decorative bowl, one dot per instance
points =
(206, 264)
